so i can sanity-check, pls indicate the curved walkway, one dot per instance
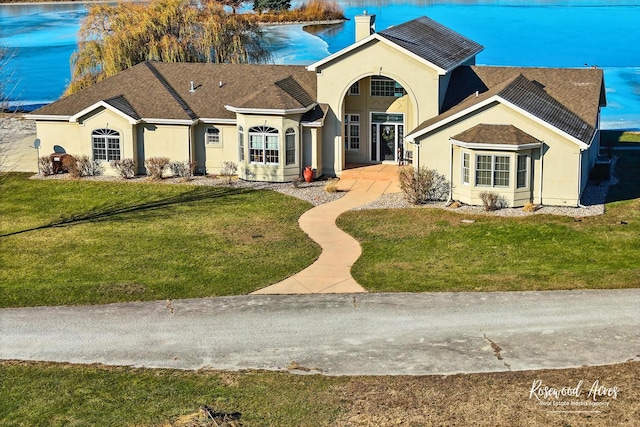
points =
(331, 272)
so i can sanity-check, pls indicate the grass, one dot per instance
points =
(613, 137)
(426, 250)
(83, 242)
(49, 394)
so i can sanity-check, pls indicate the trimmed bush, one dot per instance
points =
(85, 166)
(331, 186)
(183, 170)
(421, 185)
(490, 200)
(125, 167)
(156, 167)
(45, 166)
(229, 170)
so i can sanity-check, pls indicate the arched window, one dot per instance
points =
(240, 144)
(290, 146)
(106, 145)
(264, 145)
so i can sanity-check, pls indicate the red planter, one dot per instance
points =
(308, 174)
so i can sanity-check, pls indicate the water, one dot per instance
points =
(531, 33)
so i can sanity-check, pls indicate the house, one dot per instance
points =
(410, 93)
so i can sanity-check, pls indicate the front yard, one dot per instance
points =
(83, 242)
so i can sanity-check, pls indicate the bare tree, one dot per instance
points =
(4, 107)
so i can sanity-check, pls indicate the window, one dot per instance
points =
(501, 171)
(354, 89)
(240, 144)
(465, 168)
(264, 145)
(383, 86)
(492, 171)
(352, 132)
(212, 136)
(290, 146)
(106, 145)
(521, 177)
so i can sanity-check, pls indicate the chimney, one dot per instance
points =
(365, 25)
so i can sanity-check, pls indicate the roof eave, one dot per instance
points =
(270, 111)
(160, 121)
(49, 117)
(74, 118)
(501, 147)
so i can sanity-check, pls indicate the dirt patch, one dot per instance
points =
(498, 399)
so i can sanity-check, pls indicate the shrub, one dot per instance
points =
(491, 201)
(125, 167)
(529, 207)
(331, 186)
(156, 167)
(296, 182)
(45, 166)
(85, 166)
(184, 169)
(420, 185)
(228, 171)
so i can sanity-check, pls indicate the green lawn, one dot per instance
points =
(83, 242)
(425, 250)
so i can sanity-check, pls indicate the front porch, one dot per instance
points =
(378, 173)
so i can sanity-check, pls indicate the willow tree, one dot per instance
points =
(113, 38)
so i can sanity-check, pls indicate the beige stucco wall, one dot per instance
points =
(560, 167)
(364, 105)
(375, 58)
(210, 158)
(75, 138)
(263, 172)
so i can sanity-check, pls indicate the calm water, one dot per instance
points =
(535, 33)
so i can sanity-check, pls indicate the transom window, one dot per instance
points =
(492, 171)
(354, 89)
(106, 145)
(264, 145)
(212, 136)
(290, 146)
(352, 132)
(384, 86)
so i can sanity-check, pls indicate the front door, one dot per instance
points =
(387, 135)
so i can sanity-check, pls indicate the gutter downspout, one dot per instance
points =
(541, 170)
(580, 160)
(450, 172)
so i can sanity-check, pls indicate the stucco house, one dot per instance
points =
(408, 94)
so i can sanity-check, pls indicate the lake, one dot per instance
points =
(545, 33)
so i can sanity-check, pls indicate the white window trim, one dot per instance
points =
(468, 168)
(348, 124)
(493, 171)
(241, 144)
(527, 165)
(264, 132)
(289, 132)
(106, 134)
(354, 89)
(214, 138)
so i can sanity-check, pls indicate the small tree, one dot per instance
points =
(229, 170)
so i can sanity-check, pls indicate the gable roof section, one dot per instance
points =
(157, 91)
(432, 43)
(567, 100)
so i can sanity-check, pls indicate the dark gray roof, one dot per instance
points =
(433, 42)
(532, 98)
(566, 98)
(120, 103)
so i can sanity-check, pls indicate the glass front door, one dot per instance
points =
(387, 135)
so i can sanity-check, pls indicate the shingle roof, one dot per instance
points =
(162, 90)
(433, 42)
(566, 98)
(495, 134)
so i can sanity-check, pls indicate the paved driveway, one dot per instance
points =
(344, 334)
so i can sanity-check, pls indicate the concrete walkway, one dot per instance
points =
(331, 272)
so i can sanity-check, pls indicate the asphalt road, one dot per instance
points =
(369, 334)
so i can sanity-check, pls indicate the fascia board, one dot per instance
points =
(47, 117)
(494, 147)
